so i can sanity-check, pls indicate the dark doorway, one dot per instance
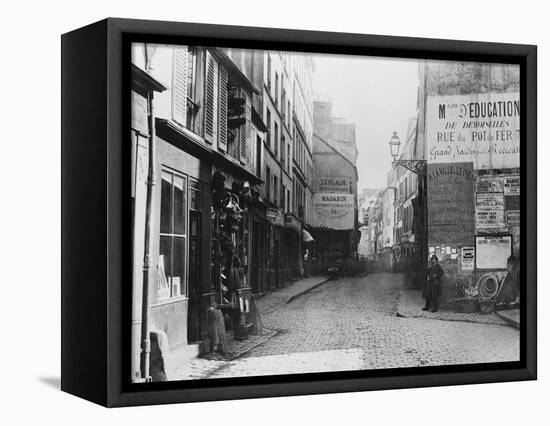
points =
(193, 323)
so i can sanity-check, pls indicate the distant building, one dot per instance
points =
(337, 130)
(333, 213)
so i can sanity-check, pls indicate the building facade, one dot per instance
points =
(193, 170)
(221, 178)
(468, 123)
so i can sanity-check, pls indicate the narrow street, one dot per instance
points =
(351, 324)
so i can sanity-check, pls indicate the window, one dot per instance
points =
(276, 89)
(276, 139)
(268, 124)
(289, 114)
(173, 235)
(258, 155)
(283, 104)
(283, 156)
(268, 72)
(275, 190)
(289, 201)
(268, 183)
(288, 157)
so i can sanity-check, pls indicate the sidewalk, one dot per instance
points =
(205, 365)
(411, 303)
(510, 316)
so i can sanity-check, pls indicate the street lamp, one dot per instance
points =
(394, 146)
(420, 211)
(416, 166)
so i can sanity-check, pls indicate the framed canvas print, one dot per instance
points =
(252, 212)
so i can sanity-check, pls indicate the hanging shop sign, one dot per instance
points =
(467, 258)
(490, 210)
(450, 204)
(334, 211)
(482, 128)
(275, 217)
(292, 223)
(493, 251)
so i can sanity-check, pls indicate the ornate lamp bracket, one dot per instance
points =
(416, 166)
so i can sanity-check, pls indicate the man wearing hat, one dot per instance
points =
(435, 272)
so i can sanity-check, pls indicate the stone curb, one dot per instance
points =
(399, 313)
(510, 321)
(307, 290)
(268, 334)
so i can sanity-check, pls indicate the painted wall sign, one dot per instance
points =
(451, 204)
(492, 252)
(482, 128)
(467, 258)
(275, 217)
(333, 173)
(489, 210)
(333, 210)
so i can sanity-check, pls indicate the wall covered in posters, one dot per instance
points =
(451, 204)
(451, 222)
(482, 128)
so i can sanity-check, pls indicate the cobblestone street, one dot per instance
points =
(351, 324)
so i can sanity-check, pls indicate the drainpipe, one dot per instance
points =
(147, 259)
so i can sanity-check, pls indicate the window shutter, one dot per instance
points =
(243, 132)
(209, 99)
(179, 86)
(222, 110)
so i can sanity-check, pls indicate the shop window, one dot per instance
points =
(173, 234)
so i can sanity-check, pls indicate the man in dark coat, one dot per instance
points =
(435, 272)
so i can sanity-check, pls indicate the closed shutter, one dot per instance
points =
(243, 132)
(179, 86)
(209, 99)
(222, 110)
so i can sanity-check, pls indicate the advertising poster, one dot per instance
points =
(493, 251)
(334, 211)
(451, 204)
(511, 185)
(467, 258)
(489, 210)
(480, 127)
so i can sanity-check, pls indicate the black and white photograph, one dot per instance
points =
(296, 212)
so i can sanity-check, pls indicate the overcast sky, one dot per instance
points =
(379, 96)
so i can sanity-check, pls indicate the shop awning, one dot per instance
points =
(306, 236)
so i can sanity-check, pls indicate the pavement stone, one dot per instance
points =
(350, 324)
(205, 365)
(411, 303)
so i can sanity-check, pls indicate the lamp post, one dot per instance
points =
(420, 203)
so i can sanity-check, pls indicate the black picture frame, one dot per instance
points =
(95, 264)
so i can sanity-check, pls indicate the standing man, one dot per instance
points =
(435, 272)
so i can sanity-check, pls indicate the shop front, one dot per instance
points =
(275, 230)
